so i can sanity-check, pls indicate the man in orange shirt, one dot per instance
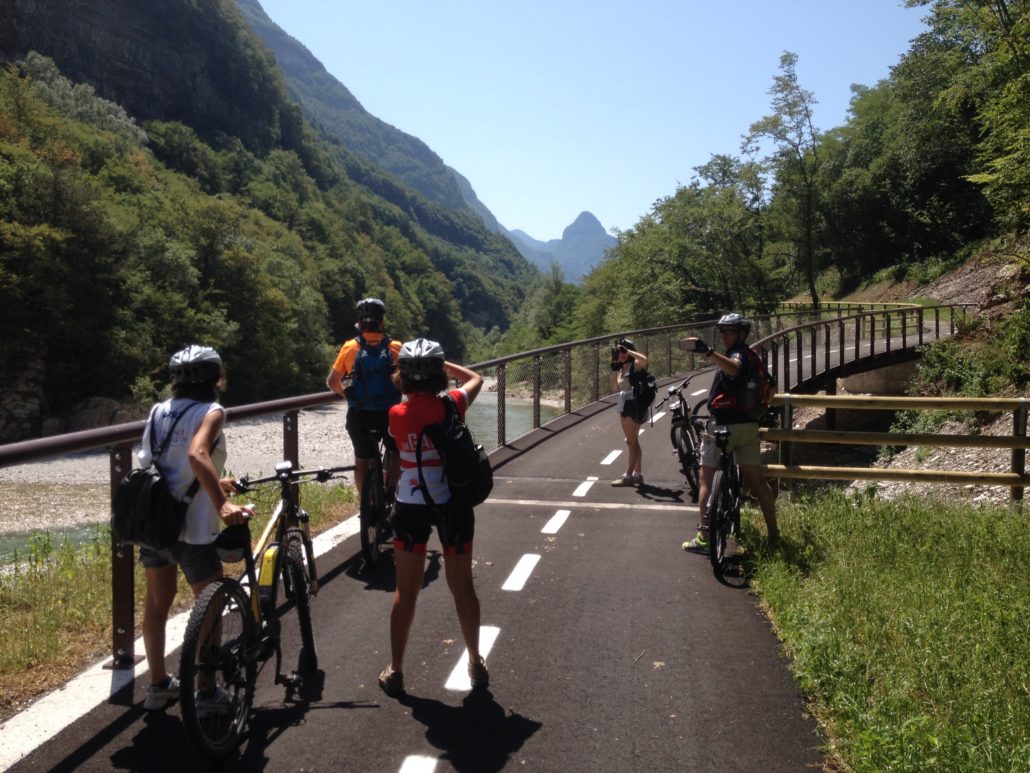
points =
(362, 374)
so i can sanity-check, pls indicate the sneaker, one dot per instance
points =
(392, 682)
(212, 702)
(638, 479)
(625, 480)
(478, 674)
(696, 545)
(158, 695)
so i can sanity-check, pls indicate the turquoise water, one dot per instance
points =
(18, 546)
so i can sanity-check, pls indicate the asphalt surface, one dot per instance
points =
(619, 653)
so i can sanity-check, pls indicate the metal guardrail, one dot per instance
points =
(1016, 479)
(529, 388)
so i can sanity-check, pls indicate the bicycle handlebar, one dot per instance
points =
(320, 475)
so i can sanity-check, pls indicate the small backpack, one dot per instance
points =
(465, 463)
(371, 387)
(753, 393)
(644, 387)
(144, 512)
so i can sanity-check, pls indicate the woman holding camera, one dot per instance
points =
(627, 366)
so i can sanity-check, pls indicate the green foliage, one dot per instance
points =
(906, 629)
(112, 257)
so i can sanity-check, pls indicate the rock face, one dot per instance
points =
(581, 247)
(163, 59)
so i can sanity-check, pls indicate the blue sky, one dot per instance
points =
(552, 107)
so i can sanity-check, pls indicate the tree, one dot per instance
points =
(796, 161)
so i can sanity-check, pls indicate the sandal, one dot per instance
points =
(392, 682)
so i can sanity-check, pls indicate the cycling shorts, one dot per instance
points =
(198, 562)
(743, 442)
(358, 425)
(412, 525)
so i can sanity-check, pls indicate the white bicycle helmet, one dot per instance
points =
(735, 320)
(195, 364)
(420, 359)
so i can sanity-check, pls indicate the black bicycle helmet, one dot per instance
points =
(735, 320)
(420, 359)
(371, 311)
(195, 364)
(627, 343)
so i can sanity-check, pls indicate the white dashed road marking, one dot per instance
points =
(584, 487)
(459, 678)
(418, 763)
(611, 457)
(520, 574)
(556, 522)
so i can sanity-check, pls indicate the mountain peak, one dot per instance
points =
(584, 225)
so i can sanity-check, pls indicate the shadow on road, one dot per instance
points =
(475, 736)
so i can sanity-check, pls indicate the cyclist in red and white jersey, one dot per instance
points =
(422, 374)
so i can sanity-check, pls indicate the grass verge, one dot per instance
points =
(907, 626)
(55, 601)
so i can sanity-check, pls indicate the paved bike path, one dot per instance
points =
(617, 651)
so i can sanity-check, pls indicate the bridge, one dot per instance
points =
(609, 648)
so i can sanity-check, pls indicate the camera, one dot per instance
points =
(693, 344)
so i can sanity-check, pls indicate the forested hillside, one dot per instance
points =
(932, 164)
(190, 201)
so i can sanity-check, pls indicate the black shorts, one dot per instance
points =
(358, 425)
(634, 410)
(412, 525)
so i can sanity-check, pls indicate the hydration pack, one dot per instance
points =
(754, 389)
(371, 388)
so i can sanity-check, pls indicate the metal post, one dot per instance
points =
(597, 372)
(123, 625)
(501, 439)
(1018, 454)
(887, 329)
(904, 330)
(291, 446)
(536, 391)
(801, 355)
(872, 336)
(937, 322)
(567, 355)
(786, 362)
(668, 353)
(919, 321)
(841, 345)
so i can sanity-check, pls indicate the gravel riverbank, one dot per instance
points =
(72, 491)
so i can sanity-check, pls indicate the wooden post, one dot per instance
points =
(1018, 454)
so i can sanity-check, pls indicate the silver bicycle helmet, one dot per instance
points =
(195, 364)
(735, 320)
(420, 359)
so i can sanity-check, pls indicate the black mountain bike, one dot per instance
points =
(685, 433)
(235, 624)
(375, 502)
(724, 502)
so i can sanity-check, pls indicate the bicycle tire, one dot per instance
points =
(373, 496)
(718, 522)
(218, 650)
(687, 450)
(298, 590)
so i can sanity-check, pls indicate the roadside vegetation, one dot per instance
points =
(905, 622)
(55, 600)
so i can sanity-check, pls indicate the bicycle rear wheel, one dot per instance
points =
(217, 669)
(719, 519)
(297, 586)
(373, 509)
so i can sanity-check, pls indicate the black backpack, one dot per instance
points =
(466, 466)
(644, 387)
(144, 512)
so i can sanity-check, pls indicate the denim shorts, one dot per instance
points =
(198, 562)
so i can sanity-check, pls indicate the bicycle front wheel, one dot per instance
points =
(298, 590)
(217, 669)
(687, 450)
(373, 508)
(719, 519)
